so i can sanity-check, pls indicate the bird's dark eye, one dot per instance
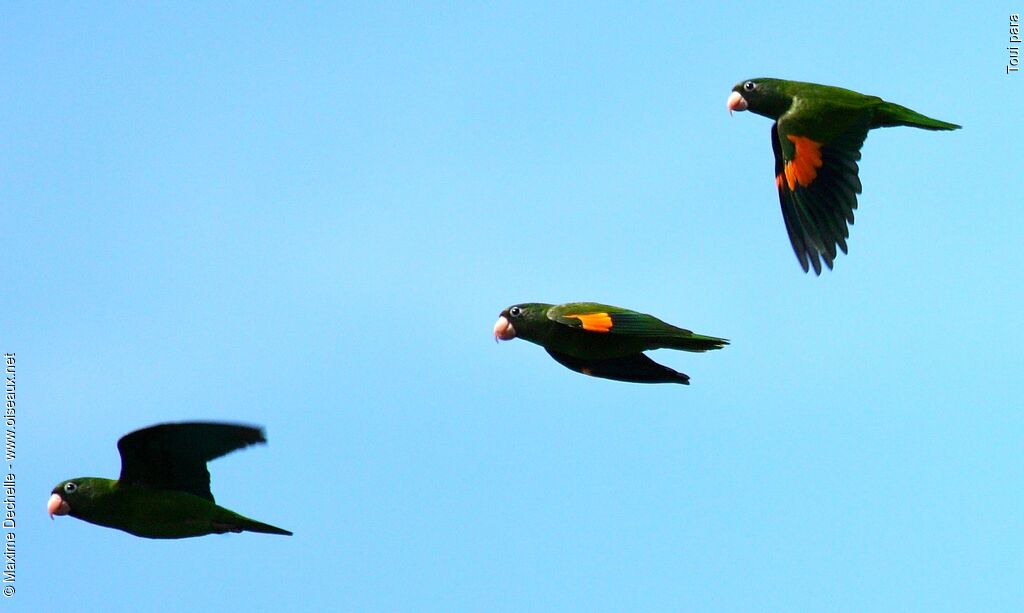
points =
(70, 488)
(515, 311)
(749, 86)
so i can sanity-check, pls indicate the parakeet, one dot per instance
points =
(600, 340)
(817, 136)
(164, 488)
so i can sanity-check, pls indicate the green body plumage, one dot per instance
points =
(154, 513)
(553, 327)
(164, 488)
(825, 111)
(602, 340)
(817, 136)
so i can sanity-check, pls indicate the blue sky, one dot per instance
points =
(308, 218)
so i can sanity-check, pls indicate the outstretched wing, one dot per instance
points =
(637, 368)
(174, 456)
(818, 187)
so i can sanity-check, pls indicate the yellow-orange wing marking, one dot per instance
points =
(803, 168)
(593, 322)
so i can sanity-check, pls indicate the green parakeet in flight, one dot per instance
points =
(164, 488)
(817, 136)
(600, 340)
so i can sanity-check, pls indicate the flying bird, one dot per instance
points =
(816, 137)
(164, 488)
(601, 340)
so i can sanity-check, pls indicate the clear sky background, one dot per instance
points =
(309, 217)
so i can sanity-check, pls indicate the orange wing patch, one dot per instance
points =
(594, 322)
(803, 168)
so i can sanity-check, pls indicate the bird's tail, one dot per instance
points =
(251, 525)
(889, 115)
(697, 342)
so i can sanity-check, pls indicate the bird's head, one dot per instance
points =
(518, 320)
(762, 96)
(71, 497)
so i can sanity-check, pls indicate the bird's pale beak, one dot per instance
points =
(736, 102)
(57, 506)
(503, 330)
